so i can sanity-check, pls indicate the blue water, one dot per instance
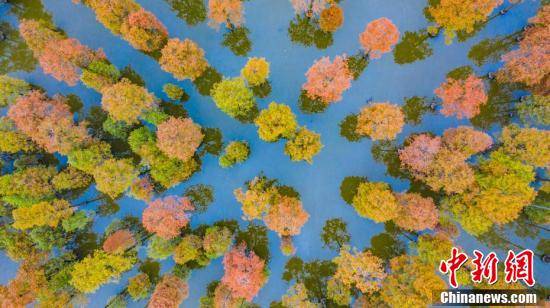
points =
(319, 183)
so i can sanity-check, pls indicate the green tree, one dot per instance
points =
(235, 152)
(335, 234)
(234, 98)
(304, 146)
(11, 89)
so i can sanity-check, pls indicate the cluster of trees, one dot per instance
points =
(328, 80)
(278, 206)
(315, 22)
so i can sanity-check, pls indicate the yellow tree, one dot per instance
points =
(376, 201)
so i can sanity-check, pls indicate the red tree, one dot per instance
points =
(379, 37)
(48, 122)
(179, 138)
(225, 11)
(169, 292)
(167, 216)
(418, 213)
(119, 241)
(244, 272)
(462, 97)
(466, 140)
(286, 217)
(328, 80)
(419, 153)
(144, 31)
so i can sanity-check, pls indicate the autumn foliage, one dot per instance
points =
(417, 213)
(462, 97)
(183, 59)
(169, 292)
(379, 37)
(48, 122)
(380, 121)
(229, 12)
(179, 138)
(126, 101)
(244, 272)
(362, 270)
(119, 241)
(144, 31)
(331, 18)
(165, 217)
(327, 80)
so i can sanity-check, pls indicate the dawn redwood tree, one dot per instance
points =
(244, 272)
(139, 286)
(166, 216)
(234, 98)
(466, 140)
(417, 213)
(380, 121)
(327, 80)
(528, 144)
(183, 59)
(362, 270)
(309, 7)
(449, 172)
(530, 64)
(216, 241)
(48, 122)
(229, 12)
(125, 101)
(462, 97)
(98, 268)
(113, 13)
(376, 201)
(286, 216)
(114, 176)
(379, 37)
(144, 31)
(169, 292)
(45, 213)
(11, 89)
(188, 249)
(410, 283)
(255, 71)
(331, 18)
(461, 16)
(275, 122)
(119, 241)
(179, 138)
(418, 155)
(305, 145)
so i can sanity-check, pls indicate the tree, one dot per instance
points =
(174, 92)
(362, 270)
(331, 18)
(379, 37)
(114, 176)
(216, 241)
(450, 172)
(410, 283)
(139, 286)
(255, 71)
(89, 158)
(144, 31)
(461, 16)
(48, 122)
(275, 122)
(119, 241)
(125, 101)
(235, 152)
(28, 186)
(524, 144)
(327, 80)
(534, 109)
(529, 64)
(417, 213)
(375, 200)
(304, 146)
(113, 13)
(13, 141)
(229, 12)
(380, 121)
(37, 34)
(64, 58)
(42, 214)
(419, 154)
(183, 59)
(335, 234)
(462, 97)
(296, 296)
(179, 138)
(160, 248)
(97, 269)
(188, 249)
(142, 189)
(169, 292)
(244, 272)
(11, 89)
(432, 249)
(310, 7)
(286, 216)
(165, 217)
(71, 178)
(99, 75)
(234, 98)
(466, 140)
(255, 202)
